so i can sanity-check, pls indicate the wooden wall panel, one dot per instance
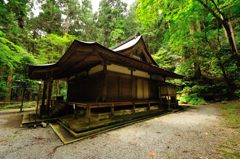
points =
(139, 88)
(154, 91)
(112, 87)
(163, 90)
(172, 91)
(167, 90)
(85, 88)
(125, 87)
(145, 89)
(119, 87)
(134, 88)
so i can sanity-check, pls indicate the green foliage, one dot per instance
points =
(51, 47)
(194, 37)
(10, 54)
(13, 62)
(49, 20)
(193, 99)
(20, 73)
(79, 19)
(183, 20)
(185, 68)
(165, 59)
(198, 88)
(191, 95)
(237, 93)
(112, 23)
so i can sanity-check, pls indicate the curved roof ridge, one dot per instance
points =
(128, 43)
(86, 42)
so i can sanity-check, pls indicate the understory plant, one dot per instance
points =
(191, 95)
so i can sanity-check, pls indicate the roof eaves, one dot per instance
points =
(95, 44)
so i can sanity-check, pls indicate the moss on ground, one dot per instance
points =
(229, 152)
(231, 113)
(31, 104)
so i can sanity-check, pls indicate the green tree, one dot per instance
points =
(223, 11)
(49, 19)
(195, 35)
(11, 57)
(78, 19)
(51, 47)
(110, 20)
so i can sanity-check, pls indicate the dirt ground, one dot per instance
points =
(196, 133)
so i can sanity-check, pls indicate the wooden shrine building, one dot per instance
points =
(114, 79)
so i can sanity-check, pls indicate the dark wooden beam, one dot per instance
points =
(105, 83)
(49, 96)
(132, 85)
(42, 107)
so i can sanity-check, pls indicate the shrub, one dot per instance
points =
(198, 88)
(193, 99)
(3, 89)
(237, 93)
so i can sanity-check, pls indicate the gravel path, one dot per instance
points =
(195, 133)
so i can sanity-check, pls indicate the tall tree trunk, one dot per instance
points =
(224, 21)
(232, 42)
(34, 36)
(230, 35)
(9, 85)
(197, 69)
(22, 100)
(230, 85)
(20, 22)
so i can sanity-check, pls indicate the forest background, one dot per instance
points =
(195, 38)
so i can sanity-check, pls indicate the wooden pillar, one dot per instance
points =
(112, 110)
(88, 113)
(168, 98)
(38, 99)
(42, 107)
(160, 98)
(49, 96)
(133, 92)
(132, 85)
(169, 102)
(133, 104)
(23, 95)
(148, 106)
(136, 88)
(104, 95)
(160, 103)
(74, 111)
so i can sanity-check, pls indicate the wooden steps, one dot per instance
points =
(68, 135)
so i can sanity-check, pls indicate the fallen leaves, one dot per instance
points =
(39, 138)
(132, 142)
(152, 154)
